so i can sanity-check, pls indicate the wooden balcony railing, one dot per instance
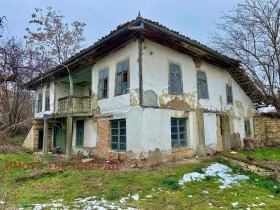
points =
(74, 105)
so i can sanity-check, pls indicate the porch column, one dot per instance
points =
(71, 85)
(45, 138)
(200, 133)
(69, 134)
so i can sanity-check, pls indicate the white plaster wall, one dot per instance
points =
(90, 135)
(210, 128)
(114, 104)
(156, 59)
(150, 129)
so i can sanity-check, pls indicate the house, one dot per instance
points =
(143, 91)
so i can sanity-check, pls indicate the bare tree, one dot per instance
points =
(15, 100)
(250, 33)
(52, 37)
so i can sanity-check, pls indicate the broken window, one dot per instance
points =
(47, 101)
(39, 102)
(175, 79)
(202, 88)
(247, 126)
(229, 94)
(103, 84)
(122, 84)
(178, 132)
(118, 135)
(80, 133)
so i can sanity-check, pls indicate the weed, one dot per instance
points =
(114, 194)
(199, 170)
(208, 178)
(174, 184)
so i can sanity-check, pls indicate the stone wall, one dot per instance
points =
(267, 128)
(32, 139)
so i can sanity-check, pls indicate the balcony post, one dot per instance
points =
(69, 133)
(71, 85)
(45, 138)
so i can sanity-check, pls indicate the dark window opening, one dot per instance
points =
(175, 80)
(118, 135)
(178, 132)
(80, 133)
(122, 84)
(103, 84)
(202, 87)
(229, 94)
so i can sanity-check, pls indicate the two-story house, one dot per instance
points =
(143, 90)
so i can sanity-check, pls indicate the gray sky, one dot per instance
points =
(193, 18)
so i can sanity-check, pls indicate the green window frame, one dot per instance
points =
(103, 84)
(229, 94)
(80, 127)
(39, 102)
(247, 127)
(118, 135)
(178, 132)
(202, 86)
(122, 78)
(175, 79)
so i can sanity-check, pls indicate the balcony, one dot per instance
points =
(75, 105)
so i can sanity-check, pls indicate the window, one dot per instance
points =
(80, 133)
(178, 132)
(247, 126)
(229, 94)
(118, 135)
(103, 84)
(175, 80)
(122, 84)
(202, 89)
(39, 103)
(47, 101)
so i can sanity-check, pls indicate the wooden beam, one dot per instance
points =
(200, 133)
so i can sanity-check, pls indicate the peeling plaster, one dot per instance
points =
(134, 97)
(184, 101)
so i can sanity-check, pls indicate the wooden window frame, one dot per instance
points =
(198, 82)
(229, 94)
(103, 84)
(47, 100)
(117, 136)
(40, 103)
(80, 144)
(247, 123)
(122, 73)
(175, 75)
(178, 132)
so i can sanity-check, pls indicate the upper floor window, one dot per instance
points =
(122, 83)
(103, 84)
(178, 132)
(47, 101)
(229, 94)
(175, 79)
(39, 102)
(202, 87)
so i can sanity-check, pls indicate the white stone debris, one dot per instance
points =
(216, 169)
(135, 197)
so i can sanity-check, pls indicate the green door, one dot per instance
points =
(59, 137)
(80, 133)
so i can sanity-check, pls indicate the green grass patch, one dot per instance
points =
(15, 139)
(267, 153)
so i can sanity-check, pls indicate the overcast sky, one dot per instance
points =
(193, 18)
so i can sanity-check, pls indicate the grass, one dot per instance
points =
(15, 139)
(157, 188)
(268, 153)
